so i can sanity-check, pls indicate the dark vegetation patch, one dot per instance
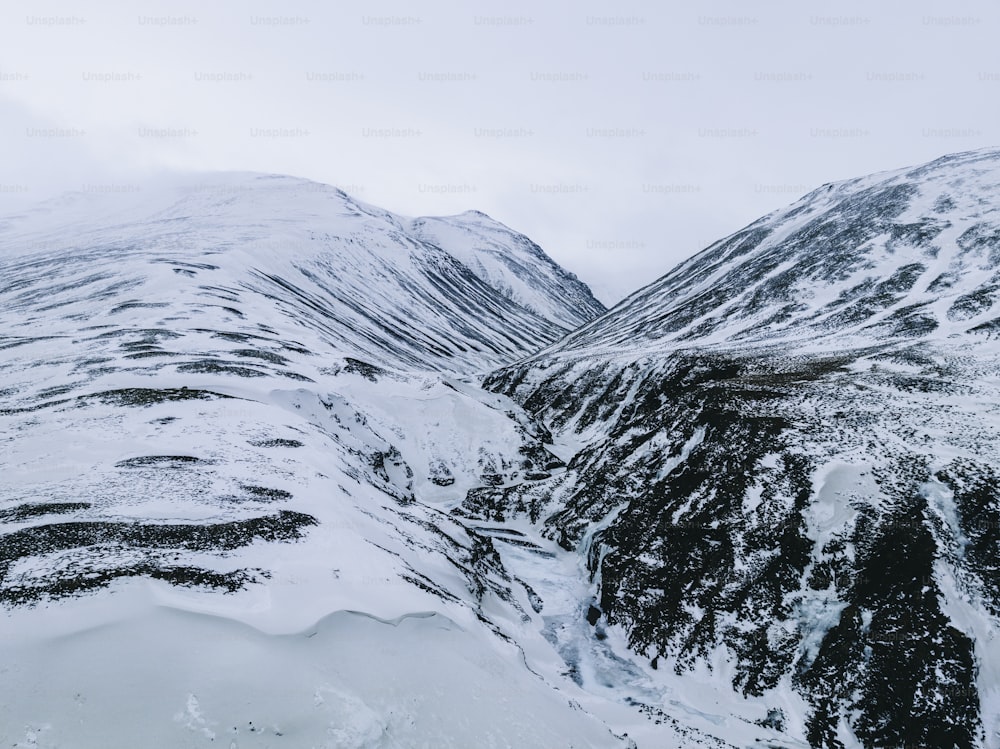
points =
(903, 279)
(536, 475)
(233, 336)
(249, 338)
(944, 204)
(166, 461)
(923, 384)
(266, 493)
(195, 266)
(181, 576)
(914, 355)
(439, 473)
(116, 289)
(216, 537)
(974, 303)
(14, 342)
(297, 348)
(982, 239)
(150, 354)
(216, 366)
(150, 396)
(138, 305)
(943, 281)
(55, 391)
(150, 336)
(910, 321)
(366, 370)
(916, 234)
(125, 397)
(261, 354)
(92, 362)
(990, 327)
(36, 407)
(230, 310)
(37, 509)
(277, 442)
(57, 305)
(220, 292)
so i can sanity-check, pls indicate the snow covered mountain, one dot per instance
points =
(251, 495)
(784, 469)
(893, 255)
(464, 295)
(233, 431)
(512, 263)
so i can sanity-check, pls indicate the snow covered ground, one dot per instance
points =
(235, 417)
(252, 495)
(785, 479)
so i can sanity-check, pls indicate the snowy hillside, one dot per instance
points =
(784, 477)
(512, 263)
(251, 496)
(231, 441)
(895, 255)
(361, 278)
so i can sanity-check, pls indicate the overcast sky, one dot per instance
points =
(623, 137)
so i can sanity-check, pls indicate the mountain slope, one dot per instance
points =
(784, 465)
(894, 255)
(512, 263)
(233, 432)
(753, 505)
(355, 274)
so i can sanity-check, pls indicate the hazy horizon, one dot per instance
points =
(622, 140)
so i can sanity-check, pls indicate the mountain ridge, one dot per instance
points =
(741, 508)
(315, 243)
(234, 423)
(740, 307)
(785, 454)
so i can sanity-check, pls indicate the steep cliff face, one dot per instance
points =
(786, 460)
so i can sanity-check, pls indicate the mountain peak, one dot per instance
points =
(357, 273)
(911, 253)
